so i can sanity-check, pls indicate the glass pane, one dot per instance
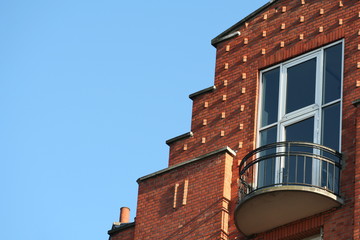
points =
(308, 170)
(324, 173)
(301, 81)
(302, 131)
(331, 127)
(330, 137)
(336, 180)
(268, 136)
(331, 177)
(266, 168)
(328, 176)
(298, 167)
(270, 97)
(290, 169)
(332, 73)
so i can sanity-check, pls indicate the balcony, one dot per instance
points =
(284, 182)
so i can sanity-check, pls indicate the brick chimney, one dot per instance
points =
(124, 215)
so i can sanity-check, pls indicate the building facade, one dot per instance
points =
(272, 152)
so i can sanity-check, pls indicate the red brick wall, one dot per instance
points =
(338, 224)
(206, 202)
(229, 81)
(357, 179)
(156, 218)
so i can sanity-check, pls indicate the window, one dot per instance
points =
(300, 100)
(316, 237)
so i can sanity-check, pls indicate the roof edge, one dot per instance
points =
(222, 36)
(224, 149)
(121, 227)
(182, 136)
(195, 94)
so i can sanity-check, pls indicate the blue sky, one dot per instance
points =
(89, 93)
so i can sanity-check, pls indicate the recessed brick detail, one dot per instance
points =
(185, 203)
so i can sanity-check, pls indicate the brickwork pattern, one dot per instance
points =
(284, 30)
(227, 116)
(161, 213)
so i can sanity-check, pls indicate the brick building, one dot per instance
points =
(272, 152)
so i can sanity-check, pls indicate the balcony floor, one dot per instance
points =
(268, 208)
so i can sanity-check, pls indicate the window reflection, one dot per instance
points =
(301, 81)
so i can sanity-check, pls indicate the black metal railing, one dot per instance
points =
(290, 163)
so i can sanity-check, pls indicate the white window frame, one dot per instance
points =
(314, 110)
